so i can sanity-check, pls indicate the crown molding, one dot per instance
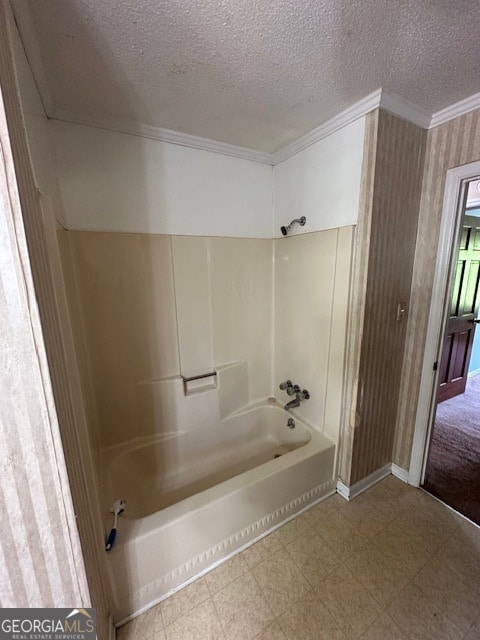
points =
(405, 109)
(357, 110)
(165, 135)
(455, 110)
(378, 99)
(375, 100)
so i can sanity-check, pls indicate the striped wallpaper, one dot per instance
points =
(449, 145)
(40, 556)
(358, 293)
(394, 162)
(42, 536)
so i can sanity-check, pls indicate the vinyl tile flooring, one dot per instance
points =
(393, 564)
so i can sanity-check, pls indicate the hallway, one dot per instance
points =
(392, 564)
(453, 467)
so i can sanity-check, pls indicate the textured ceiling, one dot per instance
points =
(256, 73)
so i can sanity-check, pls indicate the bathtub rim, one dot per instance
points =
(130, 531)
(116, 450)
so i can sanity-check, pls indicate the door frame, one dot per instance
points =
(455, 186)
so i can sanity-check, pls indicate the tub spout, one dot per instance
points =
(292, 404)
(299, 396)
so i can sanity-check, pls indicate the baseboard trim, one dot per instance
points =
(170, 583)
(349, 493)
(400, 473)
(472, 374)
(343, 490)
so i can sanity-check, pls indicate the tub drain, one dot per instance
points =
(281, 450)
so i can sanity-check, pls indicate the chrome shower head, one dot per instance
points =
(301, 221)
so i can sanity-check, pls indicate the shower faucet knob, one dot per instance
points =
(284, 386)
(293, 390)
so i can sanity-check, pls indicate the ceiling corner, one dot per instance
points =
(405, 109)
(355, 111)
(28, 37)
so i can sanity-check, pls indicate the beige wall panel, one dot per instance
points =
(191, 257)
(64, 239)
(449, 145)
(338, 334)
(241, 289)
(127, 302)
(124, 309)
(304, 288)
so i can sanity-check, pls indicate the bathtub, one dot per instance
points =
(196, 497)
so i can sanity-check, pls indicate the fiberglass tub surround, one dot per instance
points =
(183, 340)
(202, 491)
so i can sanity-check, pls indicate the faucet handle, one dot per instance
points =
(302, 395)
(284, 386)
(293, 390)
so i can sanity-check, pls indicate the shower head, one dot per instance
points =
(301, 221)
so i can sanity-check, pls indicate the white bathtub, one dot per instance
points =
(194, 498)
(154, 473)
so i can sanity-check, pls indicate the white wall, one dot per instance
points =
(113, 181)
(321, 182)
(118, 182)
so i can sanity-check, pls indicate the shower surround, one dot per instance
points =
(147, 308)
(151, 310)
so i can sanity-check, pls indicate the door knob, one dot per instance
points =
(476, 320)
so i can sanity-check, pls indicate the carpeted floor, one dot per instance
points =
(453, 467)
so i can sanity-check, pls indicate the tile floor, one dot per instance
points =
(393, 564)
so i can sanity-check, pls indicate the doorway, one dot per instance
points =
(452, 469)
